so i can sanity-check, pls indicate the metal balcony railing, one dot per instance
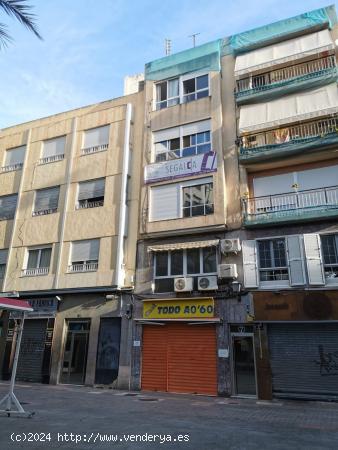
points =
(50, 159)
(44, 212)
(88, 267)
(267, 80)
(35, 272)
(84, 204)
(95, 149)
(292, 133)
(11, 167)
(291, 202)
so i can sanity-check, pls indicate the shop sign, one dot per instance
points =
(178, 309)
(182, 167)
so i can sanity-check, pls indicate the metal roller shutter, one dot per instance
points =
(180, 358)
(304, 360)
(31, 350)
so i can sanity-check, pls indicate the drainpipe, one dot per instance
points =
(119, 270)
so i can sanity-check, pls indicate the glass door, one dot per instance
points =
(244, 365)
(75, 354)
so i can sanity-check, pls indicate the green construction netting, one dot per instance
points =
(262, 36)
(296, 146)
(203, 57)
(271, 91)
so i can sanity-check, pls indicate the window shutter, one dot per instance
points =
(249, 253)
(91, 189)
(166, 134)
(54, 147)
(15, 155)
(47, 199)
(3, 256)
(196, 127)
(85, 250)
(295, 260)
(164, 202)
(313, 259)
(96, 136)
(8, 206)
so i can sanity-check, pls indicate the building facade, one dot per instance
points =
(69, 198)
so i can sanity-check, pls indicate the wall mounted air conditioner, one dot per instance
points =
(227, 271)
(183, 284)
(207, 283)
(230, 245)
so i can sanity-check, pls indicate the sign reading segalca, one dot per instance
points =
(178, 309)
(182, 167)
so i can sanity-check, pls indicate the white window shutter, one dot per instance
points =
(91, 189)
(249, 253)
(295, 260)
(164, 202)
(53, 147)
(15, 155)
(96, 136)
(314, 259)
(85, 250)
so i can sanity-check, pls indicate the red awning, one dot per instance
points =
(15, 305)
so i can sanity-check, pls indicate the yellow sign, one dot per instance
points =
(178, 309)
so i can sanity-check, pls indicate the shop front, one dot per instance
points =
(301, 333)
(179, 345)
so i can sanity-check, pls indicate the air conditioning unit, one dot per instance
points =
(207, 283)
(183, 284)
(227, 271)
(230, 245)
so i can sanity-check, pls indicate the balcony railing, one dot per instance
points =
(296, 133)
(35, 272)
(89, 267)
(269, 80)
(11, 167)
(50, 159)
(89, 204)
(291, 204)
(44, 212)
(95, 149)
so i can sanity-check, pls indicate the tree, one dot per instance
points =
(20, 11)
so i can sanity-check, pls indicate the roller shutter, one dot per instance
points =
(304, 360)
(31, 350)
(178, 357)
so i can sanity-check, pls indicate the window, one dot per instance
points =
(272, 260)
(187, 145)
(189, 262)
(3, 262)
(14, 159)
(167, 93)
(91, 194)
(198, 200)
(8, 206)
(181, 90)
(38, 261)
(53, 150)
(95, 140)
(85, 256)
(46, 201)
(195, 88)
(330, 255)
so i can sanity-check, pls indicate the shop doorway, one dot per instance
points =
(75, 354)
(244, 371)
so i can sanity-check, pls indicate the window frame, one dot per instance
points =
(183, 208)
(329, 280)
(36, 213)
(281, 282)
(181, 95)
(83, 263)
(87, 203)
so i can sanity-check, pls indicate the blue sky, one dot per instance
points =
(90, 45)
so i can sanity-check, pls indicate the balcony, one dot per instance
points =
(11, 168)
(312, 204)
(95, 149)
(291, 140)
(87, 267)
(286, 80)
(35, 272)
(50, 159)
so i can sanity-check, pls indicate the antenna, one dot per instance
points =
(167, 46)
(193, 36)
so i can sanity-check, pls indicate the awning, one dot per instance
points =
(183, 245)
(289, 50)
(291, 108)
(14, 305)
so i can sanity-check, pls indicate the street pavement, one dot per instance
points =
(77, 417)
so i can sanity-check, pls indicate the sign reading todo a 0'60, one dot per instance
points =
(178, 309)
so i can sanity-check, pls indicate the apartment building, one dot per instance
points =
(237, 256)
(68, 201)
